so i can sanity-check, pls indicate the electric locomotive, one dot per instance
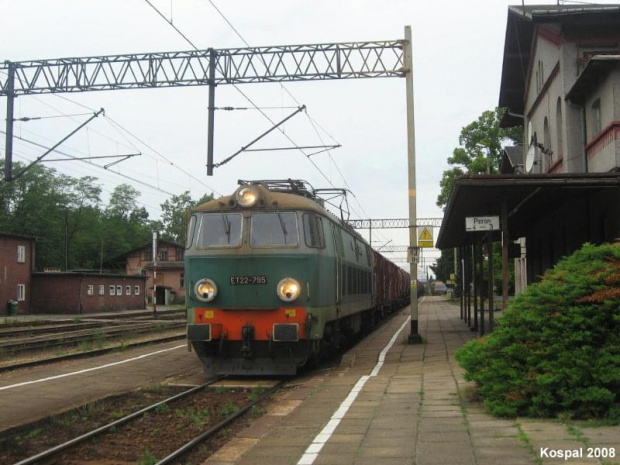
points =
(273, 279)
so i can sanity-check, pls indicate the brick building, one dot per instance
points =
(78, 293)
(561, 188)
(16, 265)
(170, 270)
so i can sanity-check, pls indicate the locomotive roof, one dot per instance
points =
(274, 201)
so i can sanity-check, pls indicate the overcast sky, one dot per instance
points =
(457, 47)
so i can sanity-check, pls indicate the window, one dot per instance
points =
(547, 144)
(119, 290)
(21, 254)
(596, 117)
(127, 290)
(559, 124)
(180, 255)
(148, 255)
(338, 240)
(190, 231)
(136, 290)
(220, 230)
(313, 230)
(101, 289)
(274, 229)
(21, 292)
(90, 289)
(112, 289)
(540, 78)
(163, 255)
(182, 283)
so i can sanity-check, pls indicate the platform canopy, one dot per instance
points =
(529, 198)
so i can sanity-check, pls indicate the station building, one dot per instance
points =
(561, 188)
(170, 266)
(85, 292)
(16, 265)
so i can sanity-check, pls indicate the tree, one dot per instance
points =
(480, 139)
(480, 150)
(123, 201)
(81, 201)
(444, 266)
(125, 226)
(174, 213)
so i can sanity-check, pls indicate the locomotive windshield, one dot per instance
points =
(274, 229)
(220, 230)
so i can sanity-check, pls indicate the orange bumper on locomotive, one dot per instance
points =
(283, 324)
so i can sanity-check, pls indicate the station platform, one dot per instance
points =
(413, 408)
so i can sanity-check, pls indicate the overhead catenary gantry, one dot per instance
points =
(213, 67)
(210, 67)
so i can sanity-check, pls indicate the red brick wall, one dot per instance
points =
(13, 273)
(68, 293)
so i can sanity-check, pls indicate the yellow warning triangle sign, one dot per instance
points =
(425, 235)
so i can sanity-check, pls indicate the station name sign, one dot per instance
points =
(482, 223)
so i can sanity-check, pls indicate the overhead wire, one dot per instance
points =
(307, 156)
(238, 89)
(251, 101)
(156, 188)
(118, 127)
(17, 154)
(283, 87)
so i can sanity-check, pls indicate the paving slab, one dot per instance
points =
(415, 410)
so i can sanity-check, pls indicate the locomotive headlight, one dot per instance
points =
(247, 197)
(205, 290)
(288, 289)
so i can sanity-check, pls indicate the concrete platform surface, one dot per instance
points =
(31, 394)
(412, 409)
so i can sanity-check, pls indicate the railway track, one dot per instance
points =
(184, 421)
(34, 343)
(76, 335)
(89, 353)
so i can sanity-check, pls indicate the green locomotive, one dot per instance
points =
(273, 279)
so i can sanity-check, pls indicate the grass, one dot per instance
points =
(147, 458)
(162, 408)
(229, 408)
(85, 346)
(197, 417)
(574, 431)
(526, 439)
(154, 389)
(92, 410)
(34, 433)
(256, 393)
(99, 340)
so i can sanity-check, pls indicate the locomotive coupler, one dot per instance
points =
(247, 334)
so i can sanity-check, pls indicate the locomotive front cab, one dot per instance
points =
(253, 264)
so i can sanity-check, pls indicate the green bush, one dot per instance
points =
(557, 347)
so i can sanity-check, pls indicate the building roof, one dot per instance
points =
(595, 71)
(166, 264)
(18, 236)
(89, 274)
(512, 159)
(529, 197)
(519, 38)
